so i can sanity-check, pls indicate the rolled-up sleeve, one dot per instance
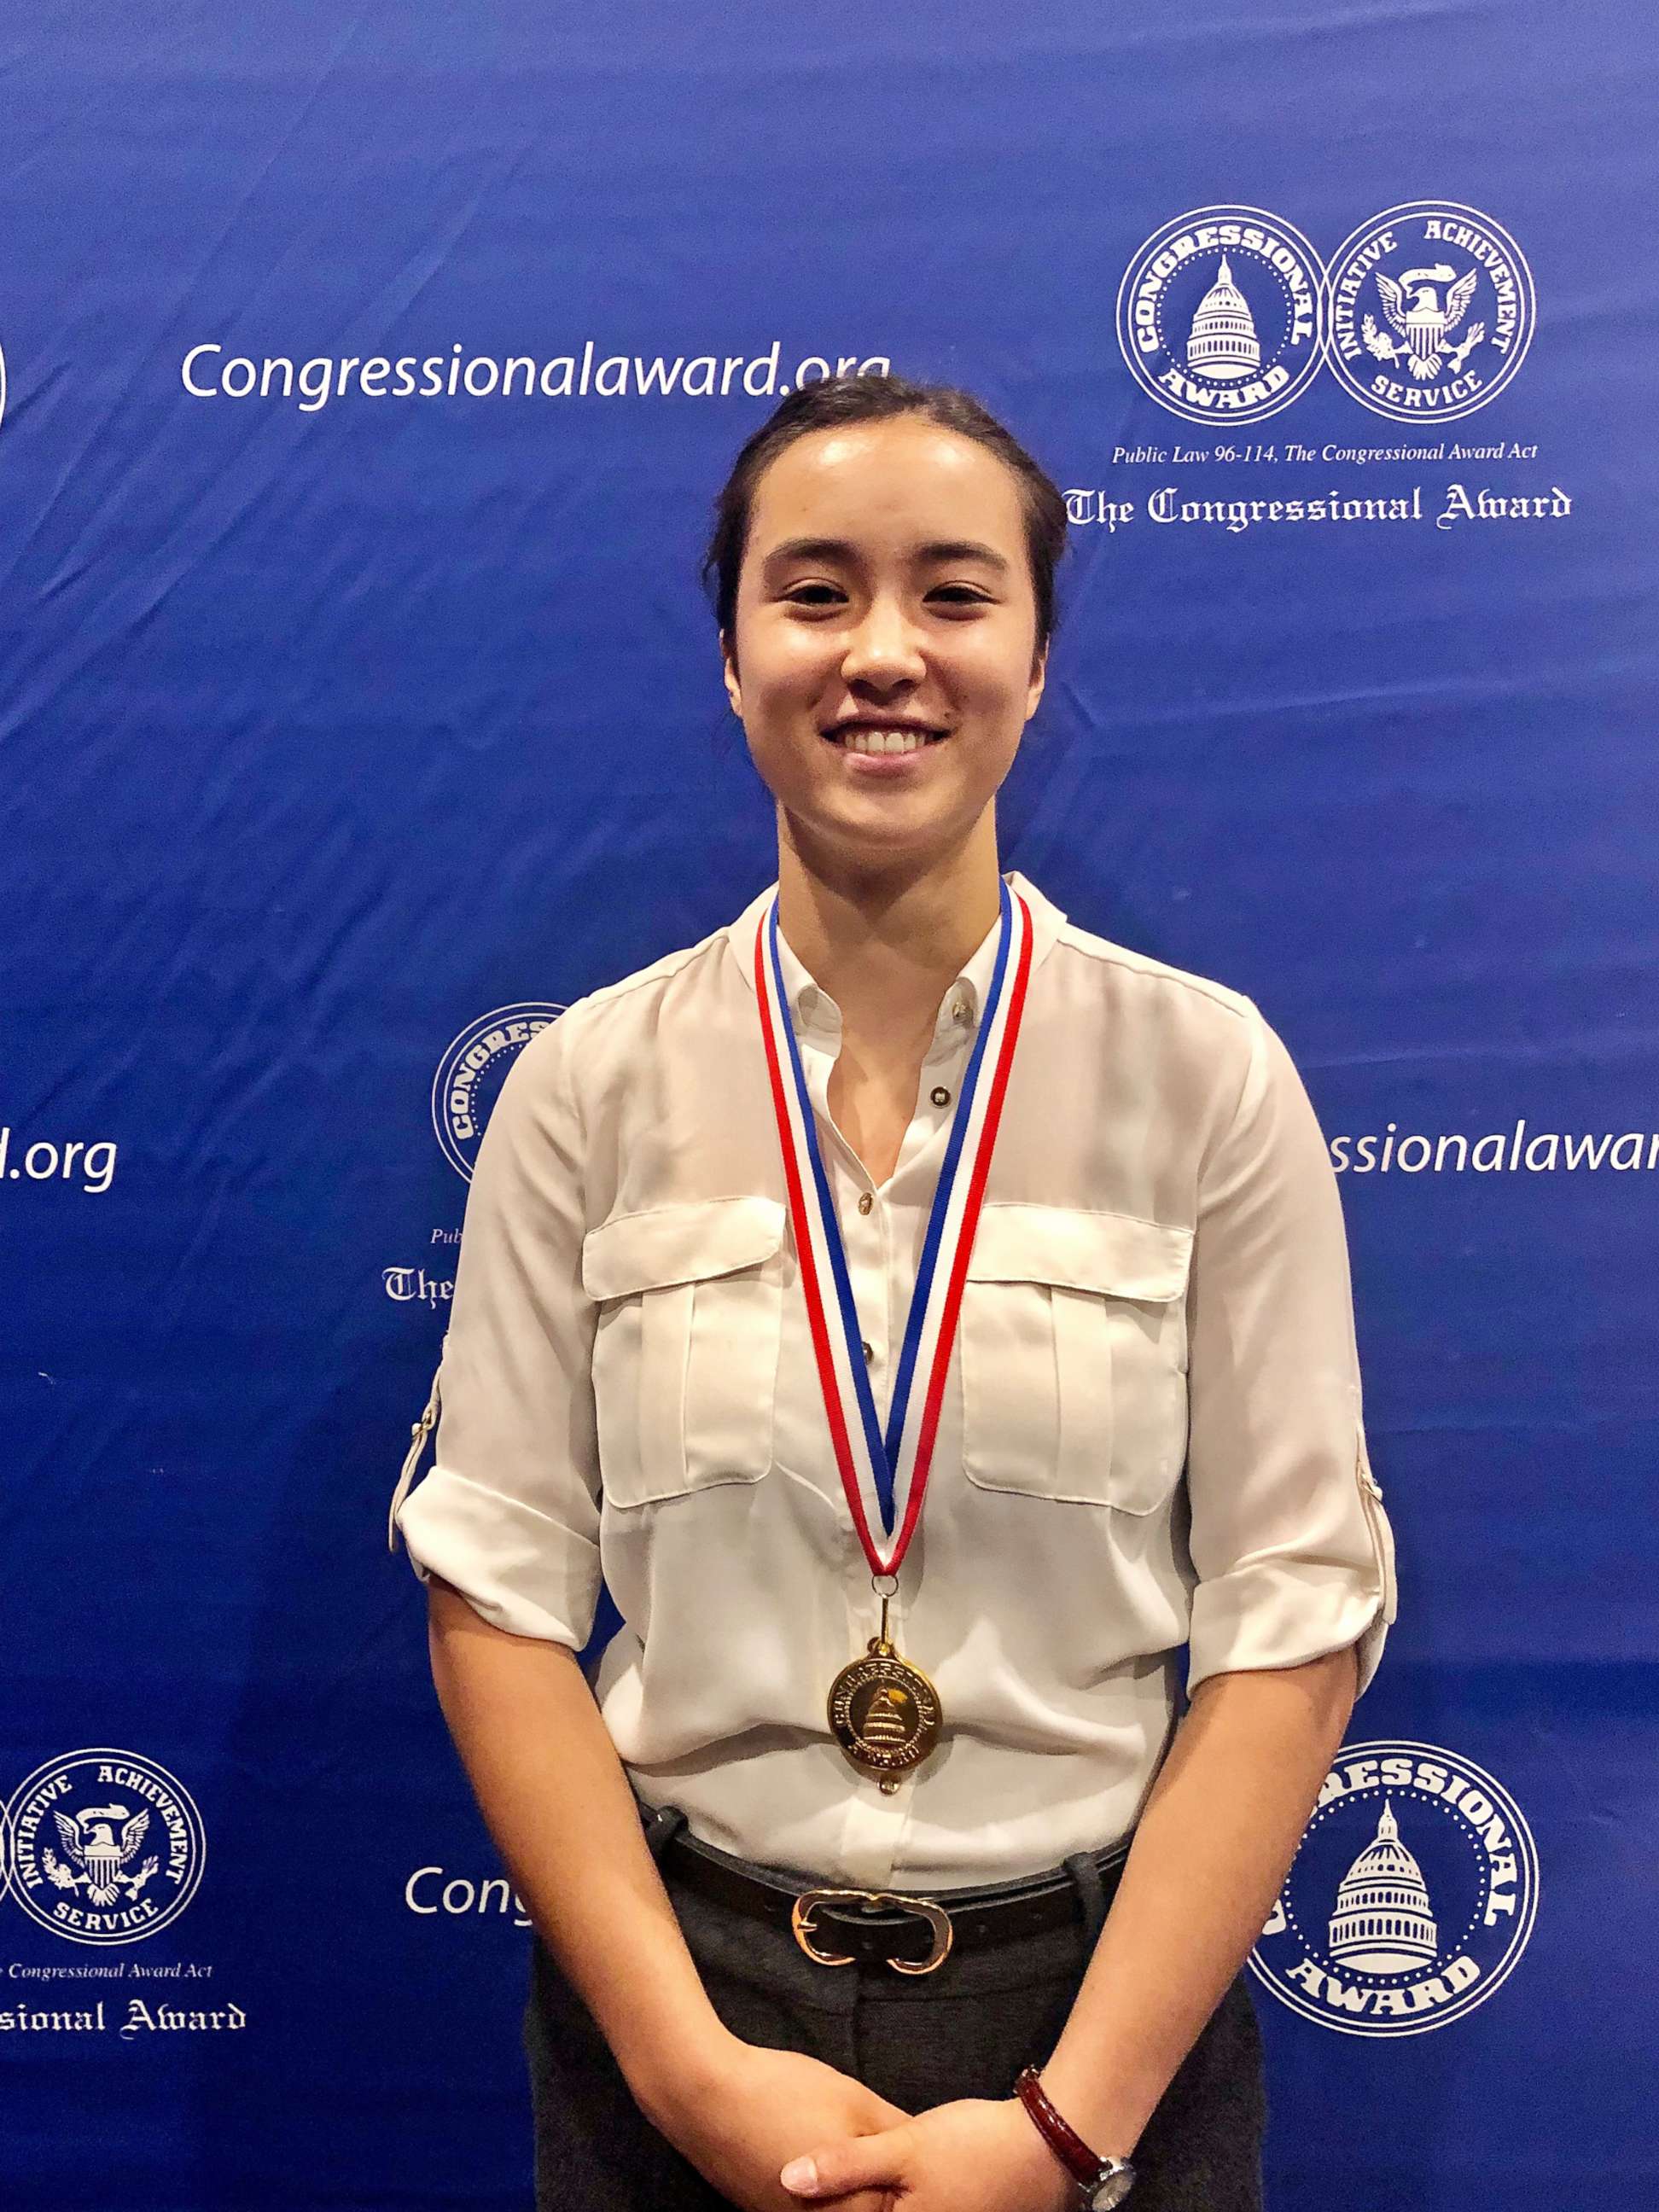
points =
(509, 1513)
(1290, 1542)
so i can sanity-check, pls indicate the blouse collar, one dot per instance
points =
(812, 1006)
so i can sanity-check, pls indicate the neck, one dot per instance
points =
(885, 939)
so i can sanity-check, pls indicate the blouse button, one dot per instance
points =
(868, 1353)
(867, 1199)
(939, 1095)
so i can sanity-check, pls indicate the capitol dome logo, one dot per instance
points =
(107, 1847)
(1430, 310)
(1220, 315)
(1412, 1894)
(471, 1072)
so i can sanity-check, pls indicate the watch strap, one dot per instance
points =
(1085, 2165)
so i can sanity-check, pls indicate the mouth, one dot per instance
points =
(884, 739)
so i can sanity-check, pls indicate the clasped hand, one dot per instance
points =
(975, 2155)
(773, 2112)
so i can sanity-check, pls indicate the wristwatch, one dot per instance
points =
(1101, 2182)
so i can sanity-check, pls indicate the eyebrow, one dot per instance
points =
(840, 549)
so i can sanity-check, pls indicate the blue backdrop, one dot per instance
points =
(356, 719)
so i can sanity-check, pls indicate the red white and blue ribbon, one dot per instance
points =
(885, 1477)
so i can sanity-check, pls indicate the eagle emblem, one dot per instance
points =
(102, 1842)
(1413, 303)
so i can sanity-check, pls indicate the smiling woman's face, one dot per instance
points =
(886, 583)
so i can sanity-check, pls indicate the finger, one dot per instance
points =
(853, 2162)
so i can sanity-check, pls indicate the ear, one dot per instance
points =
(730, 673)
(1039, 677)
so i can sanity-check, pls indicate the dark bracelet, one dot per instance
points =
(1101, 2182)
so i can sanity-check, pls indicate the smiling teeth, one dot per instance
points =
(885, 741)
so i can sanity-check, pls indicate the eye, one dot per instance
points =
(817, 595)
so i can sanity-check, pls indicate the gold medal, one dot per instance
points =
(883, 1712)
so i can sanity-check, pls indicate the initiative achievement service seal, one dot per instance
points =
(1430, 310)
(1220, 315)
(107, 1846)
(1412, 1894)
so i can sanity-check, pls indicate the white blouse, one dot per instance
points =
(1151, 1436)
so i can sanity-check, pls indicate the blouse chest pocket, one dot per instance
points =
(1074, 1355)
(685, 1345)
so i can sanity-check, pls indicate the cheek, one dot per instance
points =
(991, 666)
(783, 658)
(780, 758)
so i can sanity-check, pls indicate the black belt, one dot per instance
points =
(913, 1935)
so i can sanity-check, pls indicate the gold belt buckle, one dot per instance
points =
(924, 1908)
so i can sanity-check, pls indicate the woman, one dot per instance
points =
(931, 1317)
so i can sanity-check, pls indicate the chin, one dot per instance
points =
(867, 834)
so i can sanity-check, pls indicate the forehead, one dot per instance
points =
(881, 485)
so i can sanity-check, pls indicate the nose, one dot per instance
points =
(883, 648)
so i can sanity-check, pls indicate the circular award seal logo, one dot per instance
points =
(1220, 315)
(1429, 311)
(1410, 1896)
(471, 1072)
(107, 1847)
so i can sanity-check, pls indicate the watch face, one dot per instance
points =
(1112, 2191)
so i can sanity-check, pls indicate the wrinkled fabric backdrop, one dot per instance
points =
(357, 719)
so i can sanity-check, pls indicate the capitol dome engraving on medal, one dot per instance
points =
(889, 1718)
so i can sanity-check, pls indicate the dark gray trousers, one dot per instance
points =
(962, 2031)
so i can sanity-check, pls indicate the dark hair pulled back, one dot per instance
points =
(836, 400)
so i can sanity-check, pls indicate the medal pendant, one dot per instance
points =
(885, 1713)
